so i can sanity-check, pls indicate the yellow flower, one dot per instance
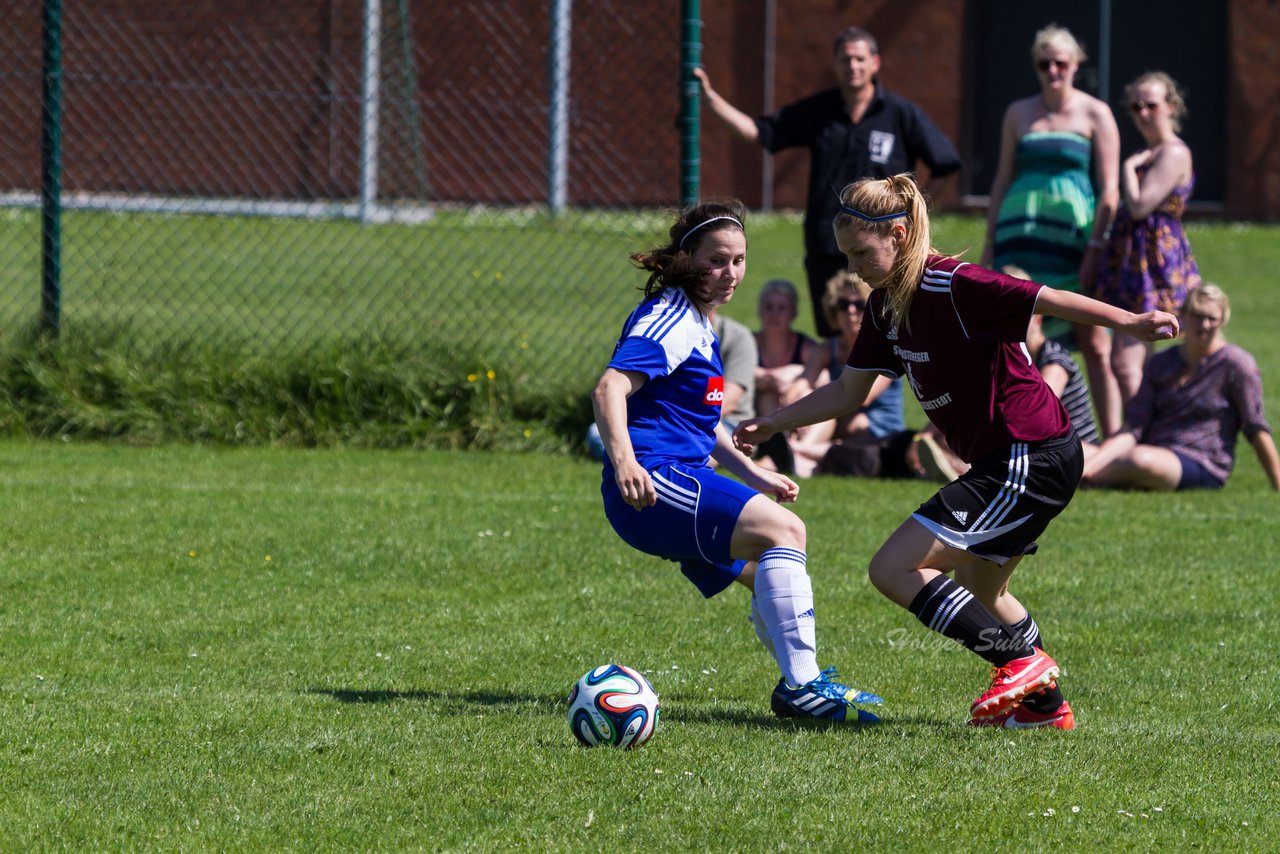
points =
(472, 377)
(527, 433)
(491, 375)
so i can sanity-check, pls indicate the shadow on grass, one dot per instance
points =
(468, 699)
(469, 702)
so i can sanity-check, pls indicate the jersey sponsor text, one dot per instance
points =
(715, 391)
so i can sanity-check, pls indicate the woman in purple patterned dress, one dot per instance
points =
(1147, 263)
(1195, 398)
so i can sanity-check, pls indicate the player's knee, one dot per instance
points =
(791, 533)
(880, 572)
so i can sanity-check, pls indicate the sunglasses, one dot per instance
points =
(1139, 106)
(1046, 64)
(846, 304)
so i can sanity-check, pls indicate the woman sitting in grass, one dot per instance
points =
(1181, 427)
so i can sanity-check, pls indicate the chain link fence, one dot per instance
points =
(274, 177)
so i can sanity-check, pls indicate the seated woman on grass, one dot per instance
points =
(1181, 427)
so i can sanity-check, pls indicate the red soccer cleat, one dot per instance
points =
(1013, 681)
(1020, 717)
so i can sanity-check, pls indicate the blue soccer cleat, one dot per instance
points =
(822, 699)
(858, 698)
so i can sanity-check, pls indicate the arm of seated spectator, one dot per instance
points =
(1056, 377)
(1265, 447)
(733, 393)
(816, 366)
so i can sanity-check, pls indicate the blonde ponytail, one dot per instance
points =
(877, 205)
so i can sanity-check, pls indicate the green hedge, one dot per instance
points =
(369, 392)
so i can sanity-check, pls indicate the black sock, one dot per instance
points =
(1044, 702)
(1030, 632)
(952, 611)
(1049, 700)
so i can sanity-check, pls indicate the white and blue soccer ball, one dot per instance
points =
(613, 705)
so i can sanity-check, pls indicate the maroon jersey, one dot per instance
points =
(965, 357)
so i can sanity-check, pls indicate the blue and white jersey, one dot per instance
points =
(673, 417)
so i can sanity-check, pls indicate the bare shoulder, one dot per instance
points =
(1024, 111)
(1097, 109)
(1177, 149)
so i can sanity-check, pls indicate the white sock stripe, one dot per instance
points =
(1030, 630)
(784, 555)
(955, 609)
(947, 589)
(940, 591)
(955, 601)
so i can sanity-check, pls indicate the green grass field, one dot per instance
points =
(271, 648)
(268, 649)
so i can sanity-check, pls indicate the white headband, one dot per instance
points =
(704, 222)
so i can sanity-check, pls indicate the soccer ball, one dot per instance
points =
(613, 705)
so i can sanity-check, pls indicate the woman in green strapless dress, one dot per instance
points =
(1046, 217)
(1054, 194)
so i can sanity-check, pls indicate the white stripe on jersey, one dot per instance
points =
(667, 318)
(676, 326)
(939, 281)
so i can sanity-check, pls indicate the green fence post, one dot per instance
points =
(51, 169)
(690, 58)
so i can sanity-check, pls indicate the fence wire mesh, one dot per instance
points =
(244, 173)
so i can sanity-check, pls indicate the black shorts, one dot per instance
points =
(1006, 499)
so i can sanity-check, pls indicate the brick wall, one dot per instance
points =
(1253, 104)
(921, 46)
(157, 91)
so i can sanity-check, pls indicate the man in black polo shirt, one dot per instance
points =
(857, 129)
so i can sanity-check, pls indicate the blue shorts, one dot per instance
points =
(1194, 475)
(692, 523)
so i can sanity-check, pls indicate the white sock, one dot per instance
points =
(784, 605)
(757, 623)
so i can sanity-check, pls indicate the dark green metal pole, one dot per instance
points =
(51, 170)
(690, 58)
